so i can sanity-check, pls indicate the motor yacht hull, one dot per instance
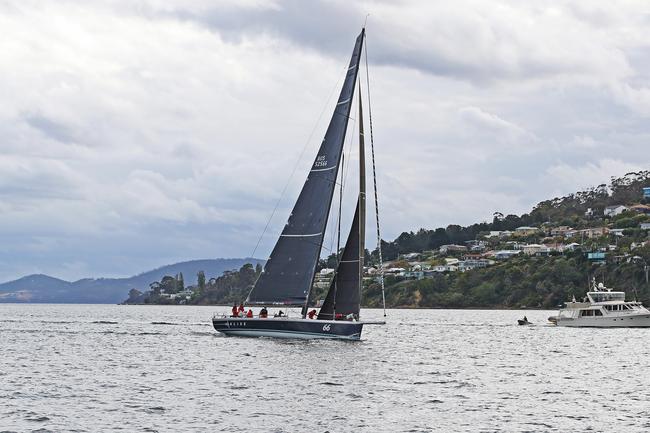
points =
(622, 321)
(288, 328)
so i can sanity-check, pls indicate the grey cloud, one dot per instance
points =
(50, 128)
(478, 45)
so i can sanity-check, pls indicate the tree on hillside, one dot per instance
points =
(168, 284)
(200, 276)
(155, 288)
(180, 283)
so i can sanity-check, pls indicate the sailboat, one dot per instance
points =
(288, 274)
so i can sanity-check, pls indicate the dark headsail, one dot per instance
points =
(344, 295)
(289, 271)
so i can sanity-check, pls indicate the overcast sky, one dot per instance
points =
(138, 133)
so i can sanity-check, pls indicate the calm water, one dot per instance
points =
(90, 368)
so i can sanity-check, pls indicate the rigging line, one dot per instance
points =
(295, 167)
(374, 181)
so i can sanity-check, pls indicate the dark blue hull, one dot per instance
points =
(288, 328)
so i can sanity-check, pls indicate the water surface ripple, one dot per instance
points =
(92, 368)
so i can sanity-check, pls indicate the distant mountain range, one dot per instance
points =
(46, 289)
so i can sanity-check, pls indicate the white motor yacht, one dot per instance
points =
(603, 308)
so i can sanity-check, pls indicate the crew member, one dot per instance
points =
(234, 310)
(249, 314)
(264, 313)
(311, 314)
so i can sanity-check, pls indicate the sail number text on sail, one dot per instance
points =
(321, 161)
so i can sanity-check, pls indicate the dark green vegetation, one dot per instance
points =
(232, 286)
(523, 281)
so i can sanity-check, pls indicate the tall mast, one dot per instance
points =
(362, 195)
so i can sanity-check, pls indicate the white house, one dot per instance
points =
(505, 254)
(449, 248)
(570, 247)
(645, 226)
(445, 268)
(535, 249)
(614, 210)
(469, 264)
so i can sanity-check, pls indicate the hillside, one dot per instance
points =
(539, 259)
(46, 289)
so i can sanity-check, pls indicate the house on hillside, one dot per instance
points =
(570, 247)
(475, 245)
(555, 247)
(617, 209)
(419, 266)
(535, 250)
(597, 256)
(640, 208)
(595, 232)
(645, 226)
(646, 192)
(444, 268)
(635, 245)
(506, 254)
(410, 256)
(515, 245)
(470, 264)
(446, 249)
(525, 231)
(413, 275)
(323, 278)
(560, 231)
(589, 213)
